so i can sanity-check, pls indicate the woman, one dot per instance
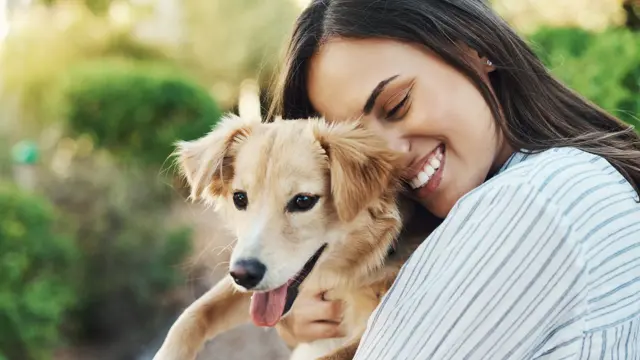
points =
(538, 254)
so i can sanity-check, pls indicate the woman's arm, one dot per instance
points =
(496, 280)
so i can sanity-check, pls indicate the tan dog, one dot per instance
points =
(312, 204)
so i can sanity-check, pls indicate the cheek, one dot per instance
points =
(305, 227)
(243, 225)
(476, 132)
(464, 119)
(226, 210)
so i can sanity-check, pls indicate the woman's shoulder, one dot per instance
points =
(556, 166)
(564, 222)
(566, 178)
(564, 174)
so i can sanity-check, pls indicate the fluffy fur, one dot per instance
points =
(357, 215)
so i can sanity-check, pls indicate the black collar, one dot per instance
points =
(392, 250)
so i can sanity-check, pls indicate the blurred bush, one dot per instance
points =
(38, 264)
(106, 110)
(227, 42)
(602, 66)
(529, 15)
(98, 7)
(5, 157)
(136, 110)
(65, 35)
(131, 253)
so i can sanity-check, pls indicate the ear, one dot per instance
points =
(362, 167)
(207, 163)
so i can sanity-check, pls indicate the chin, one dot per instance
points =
(438, 208)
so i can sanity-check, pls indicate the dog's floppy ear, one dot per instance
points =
(206, 162)
(361, 165)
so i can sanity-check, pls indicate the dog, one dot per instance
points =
(313, 204)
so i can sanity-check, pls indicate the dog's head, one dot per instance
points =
(288, 189)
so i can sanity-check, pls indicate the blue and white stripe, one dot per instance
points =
(540, 262)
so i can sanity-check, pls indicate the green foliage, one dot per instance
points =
(125, 46)
(95, 6)
(529, 15)
(604, 67)
(37, 264)
(227, 42)
(131, 255)
(65, 35)
(554, 44)
(136, 110)
(5, 157)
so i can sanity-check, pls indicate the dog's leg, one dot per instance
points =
(346, 352)
(218, 310)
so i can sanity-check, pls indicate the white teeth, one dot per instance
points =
(419, 181)
(429, 169)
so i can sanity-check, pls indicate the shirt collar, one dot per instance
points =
(515, 158)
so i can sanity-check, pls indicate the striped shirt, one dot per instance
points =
(540, 262)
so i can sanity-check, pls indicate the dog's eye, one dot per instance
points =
(302, 202)
(240, 200)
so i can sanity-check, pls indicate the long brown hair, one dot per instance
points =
(534, 110)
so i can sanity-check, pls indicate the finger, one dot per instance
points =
(323, 311)
(327, 295)
(320, 330)
(336, 310)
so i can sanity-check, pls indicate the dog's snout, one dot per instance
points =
(247, 273)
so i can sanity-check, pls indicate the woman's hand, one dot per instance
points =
(312, 317)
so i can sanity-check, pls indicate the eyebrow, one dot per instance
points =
(368, 106)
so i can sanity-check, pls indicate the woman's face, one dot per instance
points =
(421, 105)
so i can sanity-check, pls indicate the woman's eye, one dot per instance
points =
(400, 107)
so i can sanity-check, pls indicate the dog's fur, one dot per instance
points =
(357, 216)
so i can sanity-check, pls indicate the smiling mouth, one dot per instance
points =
(430, 173)
(268, 307)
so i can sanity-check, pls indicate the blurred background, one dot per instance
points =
(99, 251)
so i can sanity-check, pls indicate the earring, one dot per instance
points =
(489, 62)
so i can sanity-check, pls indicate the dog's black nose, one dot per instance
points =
(247, 273)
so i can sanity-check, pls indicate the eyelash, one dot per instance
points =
(391, 113)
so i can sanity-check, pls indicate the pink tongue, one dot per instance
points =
(267, 307)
